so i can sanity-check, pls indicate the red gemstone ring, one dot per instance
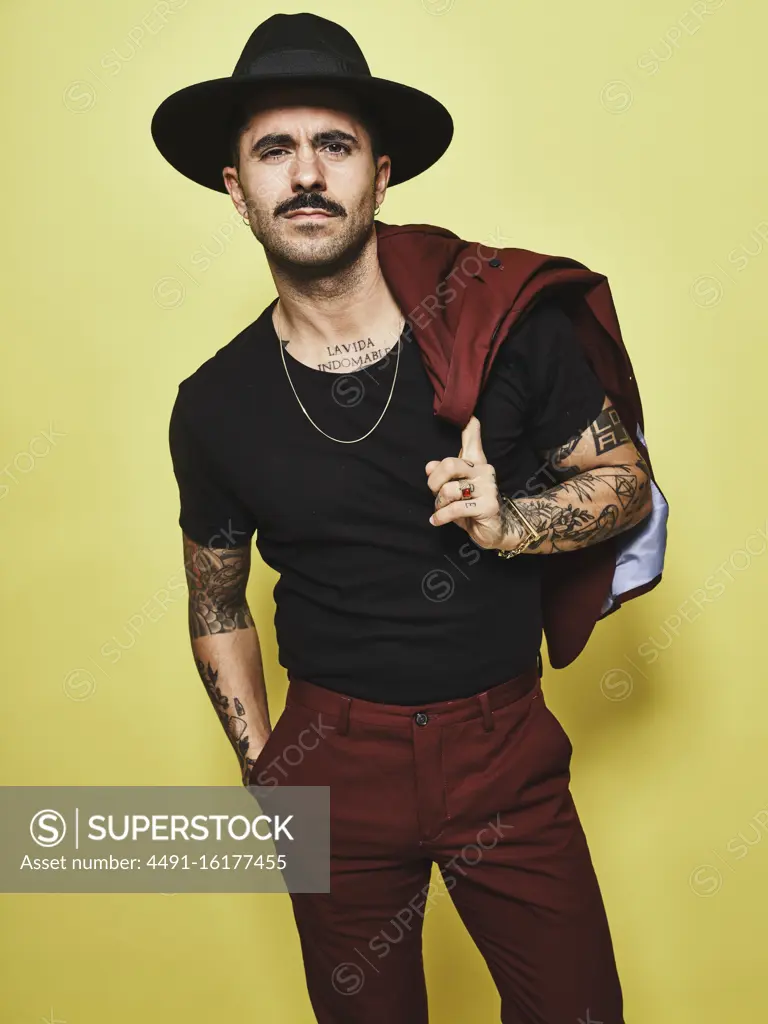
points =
(466, 492)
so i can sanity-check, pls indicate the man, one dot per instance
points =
(314, 430)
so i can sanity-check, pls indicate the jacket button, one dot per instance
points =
(494, 262)
(421, 718)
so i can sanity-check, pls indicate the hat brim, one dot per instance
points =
(192, 127)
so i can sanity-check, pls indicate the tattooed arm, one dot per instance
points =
(225, 645)
(604, 489)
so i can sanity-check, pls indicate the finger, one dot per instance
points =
(451, 468)
(430, 466)
(456, 510)
(457, 490)
(471, 442)
(482, 476)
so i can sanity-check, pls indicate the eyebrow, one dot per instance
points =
(318, 139)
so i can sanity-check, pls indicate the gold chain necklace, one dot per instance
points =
(353, 440)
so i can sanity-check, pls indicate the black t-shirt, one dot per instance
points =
(373, 601)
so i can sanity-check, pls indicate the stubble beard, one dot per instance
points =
(312, 255)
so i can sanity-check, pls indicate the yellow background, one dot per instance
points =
(627, 136)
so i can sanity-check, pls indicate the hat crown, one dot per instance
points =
(193, 127)
(294, 44)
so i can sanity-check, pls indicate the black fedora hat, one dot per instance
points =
(193, 127)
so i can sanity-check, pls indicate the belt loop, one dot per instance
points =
(487, 713)
(342, 726)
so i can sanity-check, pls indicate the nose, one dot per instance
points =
(306, 169)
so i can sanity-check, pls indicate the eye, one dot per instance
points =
(278, 150)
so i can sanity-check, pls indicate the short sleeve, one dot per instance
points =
(210, 514)
(564, 395)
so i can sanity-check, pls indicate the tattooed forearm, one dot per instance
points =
(235, 724)
(216, 579)
(593, 496)
(225, 646)
(589, 506)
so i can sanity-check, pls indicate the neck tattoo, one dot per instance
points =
(350, 356)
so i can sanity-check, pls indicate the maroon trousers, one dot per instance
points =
(480, 786)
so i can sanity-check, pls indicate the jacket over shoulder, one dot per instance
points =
(462, 298)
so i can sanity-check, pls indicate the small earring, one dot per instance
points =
(245, 220)
(376, 209)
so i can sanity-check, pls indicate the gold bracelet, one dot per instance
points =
(533, 533)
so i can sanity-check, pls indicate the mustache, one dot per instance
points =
(311, 201)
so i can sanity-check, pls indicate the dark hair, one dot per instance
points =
(244, 113)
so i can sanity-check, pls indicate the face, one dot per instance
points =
(307, 180)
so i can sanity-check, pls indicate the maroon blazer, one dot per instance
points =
(461, 298)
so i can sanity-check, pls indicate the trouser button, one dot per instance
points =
(421, 718)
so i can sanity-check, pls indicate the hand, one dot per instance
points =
(246, 769)
(247, 763)
(482, 514)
